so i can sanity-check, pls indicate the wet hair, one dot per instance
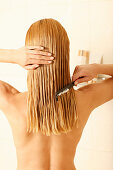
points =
(44, 113)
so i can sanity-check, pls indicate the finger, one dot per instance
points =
(40, 57)
(77, 75)
(35, 47)
(31, 67)
(37, 61)
(76, 69)
(42, 53)
(81, 80)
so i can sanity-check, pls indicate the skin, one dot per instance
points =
(40, 152)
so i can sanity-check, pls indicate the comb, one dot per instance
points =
(65, 89)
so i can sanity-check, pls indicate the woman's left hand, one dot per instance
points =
(29, 57)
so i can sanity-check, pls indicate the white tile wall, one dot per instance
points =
(89, 24)
(90, 159)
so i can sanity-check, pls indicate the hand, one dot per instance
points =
(84, 73)
(29, 57)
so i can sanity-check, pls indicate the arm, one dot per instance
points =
(7, 56)
(104, 69)
(90, 71)
(100, 92)
(6, 90)
(29, 58)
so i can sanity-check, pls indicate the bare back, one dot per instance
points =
(40, 152)
(55, 152)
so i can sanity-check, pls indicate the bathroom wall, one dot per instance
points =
(90, 27)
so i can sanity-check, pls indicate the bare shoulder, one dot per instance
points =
(7, 93)
(94, 95)
(7, 88)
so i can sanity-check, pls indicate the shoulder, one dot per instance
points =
(7, 88)
(97, 93)
(83, 105)
(7, 94)
(83, 95)
(83, 100)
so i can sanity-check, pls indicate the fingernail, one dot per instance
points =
(49, 61)
(42, 48)
(52, 57)
(49, 54)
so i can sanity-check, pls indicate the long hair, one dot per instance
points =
(44, 113)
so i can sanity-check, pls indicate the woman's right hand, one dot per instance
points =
(84, 73)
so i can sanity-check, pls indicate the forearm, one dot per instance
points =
(7, 56)
(104, 69)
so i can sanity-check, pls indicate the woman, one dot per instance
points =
(56, 150)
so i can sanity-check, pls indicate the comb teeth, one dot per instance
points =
(64, 90)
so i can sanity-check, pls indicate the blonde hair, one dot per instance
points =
(44, 113)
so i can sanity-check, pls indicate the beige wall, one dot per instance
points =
(90, 27)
